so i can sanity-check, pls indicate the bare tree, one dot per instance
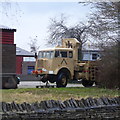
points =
(59, 30)
(33, 44)
(104, 22)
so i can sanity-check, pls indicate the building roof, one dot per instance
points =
(7, 28)
(24, 53)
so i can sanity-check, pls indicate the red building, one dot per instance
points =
(25, 61)
(25, 64)
(7, 35)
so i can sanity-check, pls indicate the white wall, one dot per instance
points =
(88, 55)
(28, 59)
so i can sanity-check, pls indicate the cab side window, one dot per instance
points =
(70, 54)
(57, 54)
(63, 54)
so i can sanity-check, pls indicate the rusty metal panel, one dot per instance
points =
(8, 58)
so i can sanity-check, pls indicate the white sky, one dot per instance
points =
(33, 18)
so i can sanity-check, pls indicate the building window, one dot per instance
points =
(30, 69)
(94, 56)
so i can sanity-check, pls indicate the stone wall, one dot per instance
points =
(84, 109)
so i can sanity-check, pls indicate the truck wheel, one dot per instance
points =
(87, 83)
(61, 80)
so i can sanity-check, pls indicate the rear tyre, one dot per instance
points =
(62, 80)
(87, 83)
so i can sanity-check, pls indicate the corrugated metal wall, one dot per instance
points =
(7, 37)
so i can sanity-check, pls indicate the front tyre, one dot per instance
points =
(62, 80)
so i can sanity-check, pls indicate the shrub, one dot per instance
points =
(108, 75)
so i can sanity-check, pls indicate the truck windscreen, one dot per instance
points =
(46, 54)
(64, 54)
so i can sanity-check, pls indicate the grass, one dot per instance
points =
(39, 94)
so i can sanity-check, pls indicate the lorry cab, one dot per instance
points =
(51, 62)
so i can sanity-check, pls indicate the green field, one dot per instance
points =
(38, 94)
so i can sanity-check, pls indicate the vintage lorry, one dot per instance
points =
(61, 65)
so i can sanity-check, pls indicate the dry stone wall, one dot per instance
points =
(85, 109)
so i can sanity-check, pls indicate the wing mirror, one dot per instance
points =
(36, 56)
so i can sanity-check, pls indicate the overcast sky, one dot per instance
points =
(33, 18)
